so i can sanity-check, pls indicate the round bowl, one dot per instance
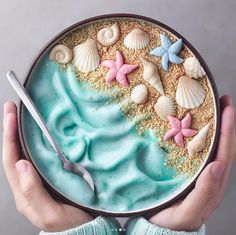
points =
(165, 203)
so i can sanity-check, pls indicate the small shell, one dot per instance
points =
(151, 75)
(61, 54)
(164, 107)
(198, 142)
(86, 57)
(109, 36)
(189, 94)
(193, 68)
(139, 94)
(137, 39)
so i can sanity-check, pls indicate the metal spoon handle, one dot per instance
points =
(22, 93)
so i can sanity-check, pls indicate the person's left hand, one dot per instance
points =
(32, 200)
(195, 209)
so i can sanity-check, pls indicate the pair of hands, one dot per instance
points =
(50, 215)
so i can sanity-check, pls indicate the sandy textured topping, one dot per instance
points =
(177, 158)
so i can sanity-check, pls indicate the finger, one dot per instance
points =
(9, 107)
(32, 188)
(226, 144)
(10, 134)
(218, 197)
(225, 101)
(11, 149)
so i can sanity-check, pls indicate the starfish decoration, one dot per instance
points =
(180, 129)
(168, 52)
(118, 70)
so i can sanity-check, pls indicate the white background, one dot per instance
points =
(26, 25)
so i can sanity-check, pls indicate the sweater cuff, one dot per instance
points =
(140, 226)
(100, 225)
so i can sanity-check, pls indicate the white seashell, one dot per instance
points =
(86, 57)
(139, 94)
(193, 68)
(137, 39)
(109, 36)
(189, 94)
(198, 142)
(151, 75)
(164, 107)
(61, 54)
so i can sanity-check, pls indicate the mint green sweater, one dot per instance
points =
(110, 226)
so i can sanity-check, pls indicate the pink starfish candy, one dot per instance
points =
(118, 70)
(179, 129)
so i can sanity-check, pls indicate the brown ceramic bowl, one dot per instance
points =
(53, 191)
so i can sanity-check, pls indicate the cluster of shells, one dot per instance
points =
(189, 93)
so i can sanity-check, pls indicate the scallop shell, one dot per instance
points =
(86, 57)
(139, 94)
(164, 107)
(198, 142)
(137, 39)
(189, 94)
(109, 36)
(193, 68)
(61, 54)
(151, 75)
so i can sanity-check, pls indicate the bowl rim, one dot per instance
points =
(147, 212)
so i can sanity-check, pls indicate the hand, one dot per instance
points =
(191, 213)
(32, 200)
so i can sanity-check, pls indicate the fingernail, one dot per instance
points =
(21, 167)
(217, 170)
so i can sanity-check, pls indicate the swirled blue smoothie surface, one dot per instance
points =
(128, 169)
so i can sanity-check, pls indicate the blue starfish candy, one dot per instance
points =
(168, 52)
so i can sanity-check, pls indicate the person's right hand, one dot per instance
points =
(32, 200)
(195, 209)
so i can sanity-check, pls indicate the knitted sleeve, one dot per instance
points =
(140, 226)
(100, 225)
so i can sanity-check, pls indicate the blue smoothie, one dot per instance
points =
(128, 169)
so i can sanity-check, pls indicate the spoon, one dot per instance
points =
(72, 167)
